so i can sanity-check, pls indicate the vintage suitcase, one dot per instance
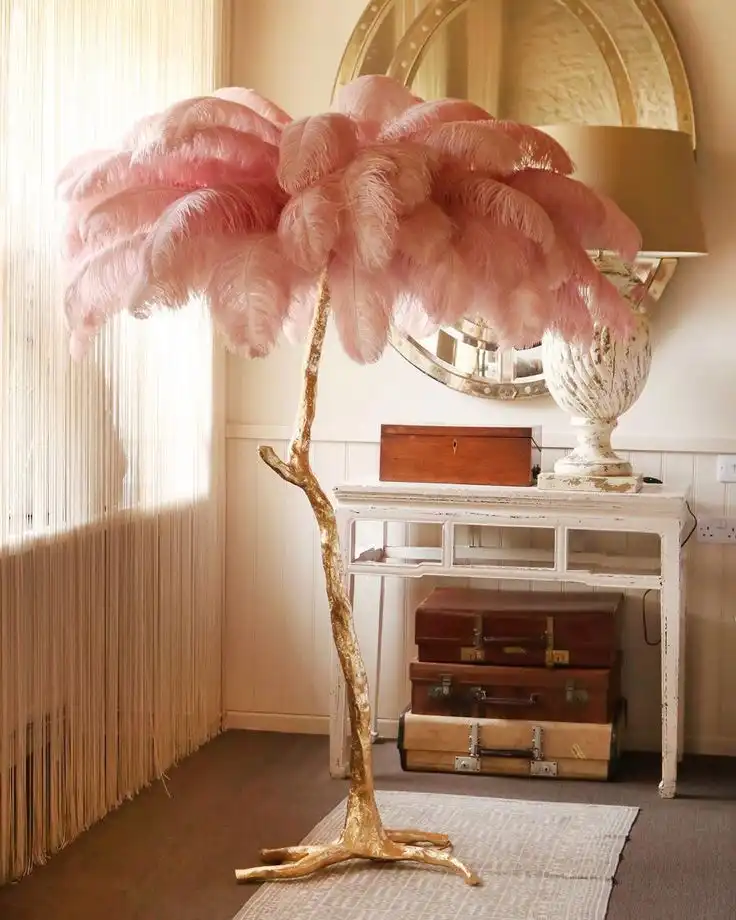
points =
(470, 456)
(518, 747)
(497, 692)
(519, 627)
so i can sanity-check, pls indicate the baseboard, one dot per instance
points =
(717, 746)
(714, 746)
(295, 724)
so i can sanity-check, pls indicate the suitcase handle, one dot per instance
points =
(515, 753)
(541, 642)
(532, 753)
(479, 695)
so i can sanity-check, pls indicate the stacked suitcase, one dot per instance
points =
(516, 683)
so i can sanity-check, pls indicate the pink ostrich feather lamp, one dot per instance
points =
(388, 210)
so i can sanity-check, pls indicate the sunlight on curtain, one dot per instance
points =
(110, 470)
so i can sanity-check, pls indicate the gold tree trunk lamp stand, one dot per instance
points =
(363, 836)
(650, 173)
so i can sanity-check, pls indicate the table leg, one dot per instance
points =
(339, 730)
(375, 734)
(683, 654)
(671, 613)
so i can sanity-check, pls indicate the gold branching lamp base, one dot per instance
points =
(363, 836)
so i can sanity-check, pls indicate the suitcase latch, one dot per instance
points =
(476, 651)
(575, 695)
(554, 656)
(443, 690)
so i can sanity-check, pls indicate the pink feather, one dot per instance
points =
(97, 288)
(247, 153)
(185, 118)
(594, 220)
(124, 213)
(571, 316)
(411, 319)
(374, 98)
(525, 317)
(186, 242)
(425, 234)
(498, 256)
(110, 172)
(313, 148)
(249, 293)
(141, 132)
(608, 307)
(481, 196)
(310, 225)
(475, 145)
(538, 149)
(301, 309)
(72, 245)
(371, 214)
(443, 287)
(117, 173)
(425, 115)
(406, 168)
(77, 167)
(361, 304)
(253, 100)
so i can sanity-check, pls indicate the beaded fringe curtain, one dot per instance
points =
(110, 482)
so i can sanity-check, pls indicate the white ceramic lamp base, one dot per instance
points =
(593, 466)
(596, 386)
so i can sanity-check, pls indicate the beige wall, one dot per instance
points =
(289, 50)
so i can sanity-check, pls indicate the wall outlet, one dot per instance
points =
(726, 468)
(717, 530)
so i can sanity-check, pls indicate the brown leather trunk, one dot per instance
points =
(525, 628)
(496, 692)
(469, 455)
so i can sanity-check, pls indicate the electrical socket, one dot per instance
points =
(717, 530)
(726, 469)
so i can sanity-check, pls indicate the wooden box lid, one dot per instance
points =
(452, 431)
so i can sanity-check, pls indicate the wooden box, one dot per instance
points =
(495, 692)
(564, 750)
(522, 628)
(467, 456)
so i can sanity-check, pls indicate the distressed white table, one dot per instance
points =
(557, 515)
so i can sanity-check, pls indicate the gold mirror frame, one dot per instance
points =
(653, 94)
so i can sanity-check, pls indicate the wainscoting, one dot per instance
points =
(277, 643)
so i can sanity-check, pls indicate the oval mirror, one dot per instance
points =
(612, 62)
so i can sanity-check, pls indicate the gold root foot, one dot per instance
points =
(287, 854)
(400, 846)
(431, 856)
(441, 841)
(300, 862)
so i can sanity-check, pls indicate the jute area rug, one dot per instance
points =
(537, 861)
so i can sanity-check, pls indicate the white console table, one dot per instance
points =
(557, 518)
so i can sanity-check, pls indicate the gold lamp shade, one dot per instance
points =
(650, 173)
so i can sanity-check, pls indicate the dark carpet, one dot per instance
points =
(171, 855)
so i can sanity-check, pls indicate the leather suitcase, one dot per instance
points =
(497, 692)
(525, 628)
(564, 750)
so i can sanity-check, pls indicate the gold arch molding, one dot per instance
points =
(639, 62)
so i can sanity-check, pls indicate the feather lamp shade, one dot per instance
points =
(650, 173)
